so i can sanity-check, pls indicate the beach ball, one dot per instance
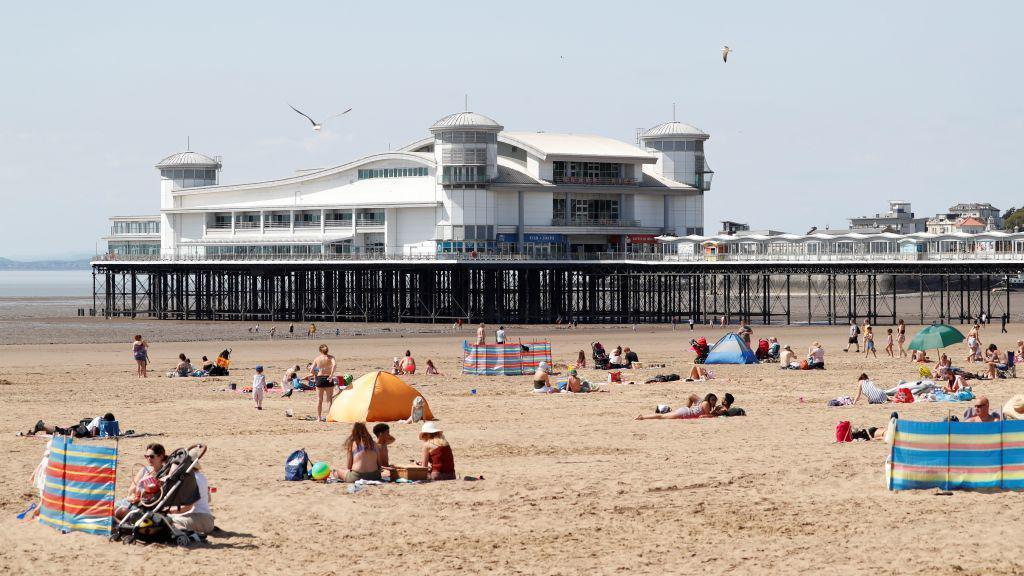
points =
(321, 470)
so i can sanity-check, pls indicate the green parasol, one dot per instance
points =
(935, 337)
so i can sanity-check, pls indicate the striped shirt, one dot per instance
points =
(874, 394)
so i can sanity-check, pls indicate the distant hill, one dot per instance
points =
(8, 264)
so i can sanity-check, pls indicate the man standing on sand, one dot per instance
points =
(481, 335)
(854, 332)
(499, 336)
(322, 369)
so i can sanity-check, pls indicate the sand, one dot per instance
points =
(572, 483)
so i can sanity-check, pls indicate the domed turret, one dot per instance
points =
(466, 148)
(680, 151)
(190, 169)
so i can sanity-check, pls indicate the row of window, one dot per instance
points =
(464, 155)
(146, 227)
(132, 249)
(564, 169)
(464, 174)
(391, 172)
(446, 232)
(196, 173)
(586, 209)
(677, 145)
(468, 137)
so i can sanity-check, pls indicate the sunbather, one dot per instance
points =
(363, 455)
(787, 357)
(981, 412)
(995, 360)
(727, 408)
(695, 408)
(542, 377)
(699, 373)
(85, 428)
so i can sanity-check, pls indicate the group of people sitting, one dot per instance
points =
(542, 383)
(367, 456)
(815, 358)
(695, 407)
(407, 365)
(620, 357)
(217, 367)
(195, 517)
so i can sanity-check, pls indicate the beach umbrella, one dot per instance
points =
(935, 337)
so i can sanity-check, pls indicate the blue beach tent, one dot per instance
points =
(731, 349)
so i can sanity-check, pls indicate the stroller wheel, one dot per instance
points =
(182, 540)
(115, 536)
(128, 539)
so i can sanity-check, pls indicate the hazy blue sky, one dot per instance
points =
(825, 109)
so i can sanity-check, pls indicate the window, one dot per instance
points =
(367, 173)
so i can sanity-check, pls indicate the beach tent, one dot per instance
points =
(957, 455)
(78, 493)
(731, 349)
(510, 359)
(376, 397)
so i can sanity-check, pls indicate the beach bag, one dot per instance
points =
(903, 396)
(804, 365)
(296, 467)
(843, 431)
(615, 376)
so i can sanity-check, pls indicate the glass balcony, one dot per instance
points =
(596, 222)
(594, 181)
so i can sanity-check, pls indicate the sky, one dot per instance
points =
(825, 110)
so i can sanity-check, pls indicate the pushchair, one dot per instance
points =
(701, 348)
(173, 485)
(599, 355)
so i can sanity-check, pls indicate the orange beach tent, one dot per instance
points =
(376, 397)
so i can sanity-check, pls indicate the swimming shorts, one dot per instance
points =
(323, 382)
(852, 340)
(538, 384)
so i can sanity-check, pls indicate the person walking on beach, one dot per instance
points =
(140, 351)
(322, 370)
(691, 324)
(869, 342)
(901, 337)
(481, 335)
(273, 330)
(854, 333)
(291, 329)
(499, 336)
(1003, 320)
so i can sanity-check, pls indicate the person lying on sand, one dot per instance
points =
(727, 408)
(86, 428)
(695, 408)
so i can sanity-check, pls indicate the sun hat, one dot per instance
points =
(545, 367)
(430, 428)
(1014, 408)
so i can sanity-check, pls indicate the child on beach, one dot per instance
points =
(259, 387)
(869, 340)
(431, 369)
(888, 345)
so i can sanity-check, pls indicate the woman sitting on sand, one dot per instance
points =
(954, 382)
(156, 457)
(700, 373)
(995, 360)
(542, 378)
(867, 388)
(695, 408)
(184, 367)
(945, 365)
(816, 357)
(363, 456)
(408, 363)
(431, 369)
(437, 453)
(581, 360)
(615, 360)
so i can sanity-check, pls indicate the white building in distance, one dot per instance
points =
(471, 186)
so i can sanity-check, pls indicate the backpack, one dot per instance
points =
(857, 326)
(843, 432)
(903, 396)
(296, 467)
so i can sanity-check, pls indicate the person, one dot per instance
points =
(981, 411)
(384, 439)
(746, 332)
(431, 369)
(85, 428)
(727, 408)
(816, 357)
(695, 408)
(155, 456)
(184, 367)
(854, 333)
(1020, 350)
(787, 357)
(408, 363)
(944, 366)
(867, 389)
(291, 329)
(221, 364)
(140, 351)
(291, 377)
(973, 345)
(1003, 319)
(197, 516)
(322, 370)
(481, 335)
(273, 330)
(615, 360)
(995, 359)
(362, 454)
(920, 356)
(574, 383)
(901, 336)
(889, 349)
(773, 348)
(984, 318)
(629, 356)
(954, 382)
(396, 366)
(691, 323)
(581, 360)
(698, 372)
(207, 365)
(542, 377)
(259, 388)
(869, 342)
(312, 330)
(437, 453)
(499, 336)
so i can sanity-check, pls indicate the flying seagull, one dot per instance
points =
(317, 125)
(725, 58)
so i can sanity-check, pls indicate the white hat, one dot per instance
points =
(1014, 408)
(545, 367)
(429, 428)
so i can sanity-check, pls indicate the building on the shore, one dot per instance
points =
(469, 187)
(983, 211)
(950, 223)
(133, 236)
(899, 219)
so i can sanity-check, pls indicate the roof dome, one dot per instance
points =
(188, 158)
(675, 130)
(463, 120)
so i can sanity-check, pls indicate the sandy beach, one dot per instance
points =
(572, 484)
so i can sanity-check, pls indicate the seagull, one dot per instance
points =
(725, 58)
(317, 125)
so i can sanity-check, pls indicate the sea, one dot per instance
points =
(45, 283)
